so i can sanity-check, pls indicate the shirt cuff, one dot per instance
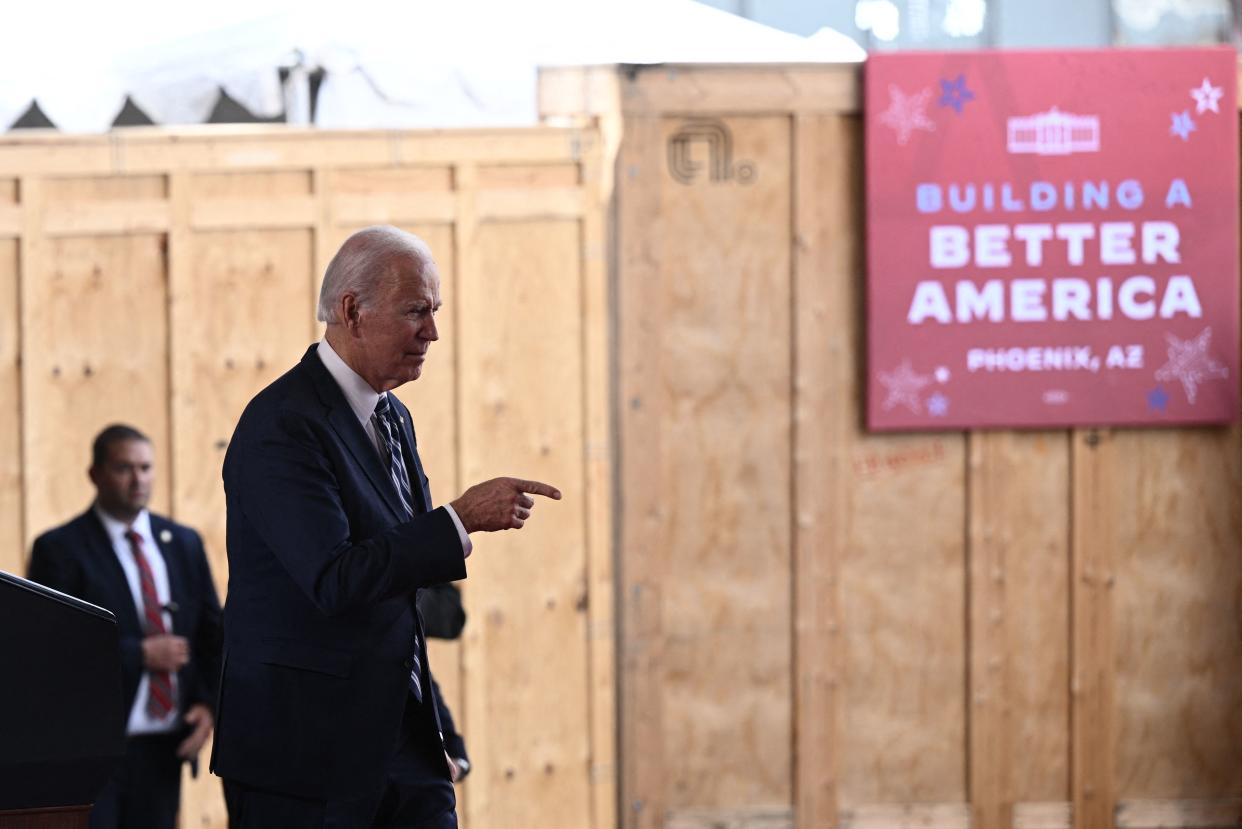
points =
(466, 545)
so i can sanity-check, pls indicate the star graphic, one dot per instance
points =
(1190, 364)
(954, 93)
(937, 405)
(904, 386)
(1158, 400)
(1207, 97)
(907, 113)
(1183, 125)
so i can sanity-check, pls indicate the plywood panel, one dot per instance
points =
(12, 548)
(713, 452)
(903, 628)
(1019, 622)
(1178, 613)
(225, 352)
(95, 337)
(240, 294)
(521, 414)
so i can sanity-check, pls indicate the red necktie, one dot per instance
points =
(160, 698)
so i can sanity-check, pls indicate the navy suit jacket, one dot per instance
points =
(78, 558)
(323, 568)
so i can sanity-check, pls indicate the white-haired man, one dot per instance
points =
(327, 714)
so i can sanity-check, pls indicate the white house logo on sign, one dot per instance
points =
(1054, 133)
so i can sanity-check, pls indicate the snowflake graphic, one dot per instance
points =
(937, 405)
(1183, 125)
(904, 386)
(907, 113)
(1190, 364)
(1207, 97)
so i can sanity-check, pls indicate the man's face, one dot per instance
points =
(123, 480)
(395, 332)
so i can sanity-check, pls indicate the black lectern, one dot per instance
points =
(62, 726)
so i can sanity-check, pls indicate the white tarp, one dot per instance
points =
(387, 63)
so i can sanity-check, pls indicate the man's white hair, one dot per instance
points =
(367, 263)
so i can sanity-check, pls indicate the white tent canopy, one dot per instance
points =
(387, 64)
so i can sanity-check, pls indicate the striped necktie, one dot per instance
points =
(385, 423)
(160, 695)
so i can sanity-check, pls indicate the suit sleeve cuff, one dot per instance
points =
(466, 545)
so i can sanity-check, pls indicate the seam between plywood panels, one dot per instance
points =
(177, 265)
(31, 252)
(597, 460)
(463, 234)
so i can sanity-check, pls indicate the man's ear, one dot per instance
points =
(350, 312)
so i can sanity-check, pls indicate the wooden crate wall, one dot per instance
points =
(163, 279)
(821, 627)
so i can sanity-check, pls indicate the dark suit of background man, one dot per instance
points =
(153, 575)
(327, 714)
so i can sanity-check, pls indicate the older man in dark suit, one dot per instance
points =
(153, 575)
(327, 711)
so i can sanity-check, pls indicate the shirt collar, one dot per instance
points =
(358, 392)
(116, 529)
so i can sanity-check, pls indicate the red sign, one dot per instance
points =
(1052, 238)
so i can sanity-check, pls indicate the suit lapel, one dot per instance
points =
(350, 431)
(171, 553)
(101, 549)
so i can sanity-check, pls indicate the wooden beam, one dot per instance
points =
(599, 466)
(1042, 815)
(750, 90)
(826, 257)
(907, 816)
(990, 750)
(106, 218)
(428, 207)
(1191, 814)
(1091, 684)
(255, 214)
(538, 203)
(278, 148)
(642, 511)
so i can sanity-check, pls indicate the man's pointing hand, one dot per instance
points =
(500, 504)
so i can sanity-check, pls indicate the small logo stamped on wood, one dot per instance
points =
(713, 140)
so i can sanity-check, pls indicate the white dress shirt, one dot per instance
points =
(362, 399)
(140, 722)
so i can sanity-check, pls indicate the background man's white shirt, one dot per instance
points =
(140, 722)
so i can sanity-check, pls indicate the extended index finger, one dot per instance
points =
(537, 488)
